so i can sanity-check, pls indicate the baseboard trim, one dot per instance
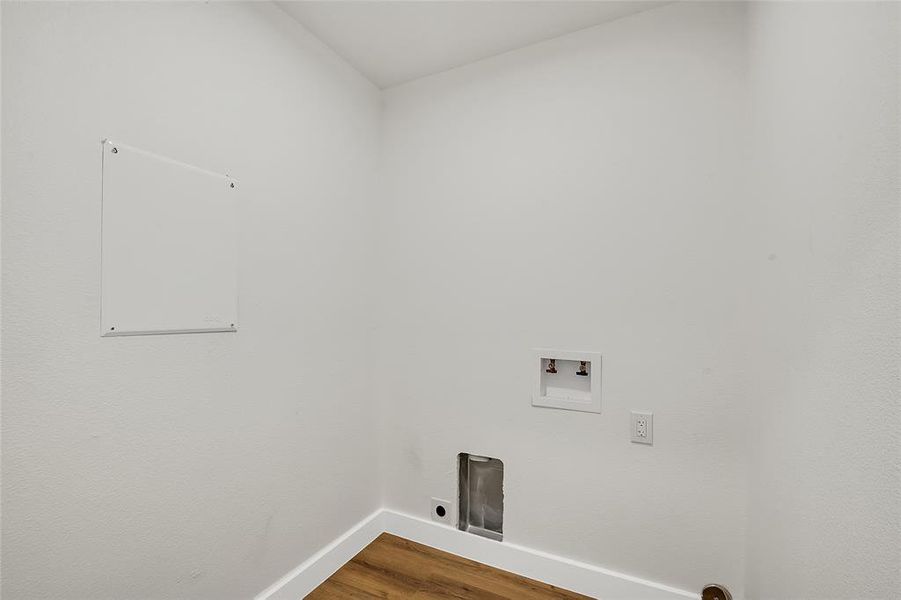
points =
(572, 575)
(307, 576)
(566, 573)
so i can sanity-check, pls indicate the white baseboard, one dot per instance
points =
(307, 576)
(572, 575)
(576, 576)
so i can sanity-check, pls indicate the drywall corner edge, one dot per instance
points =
(307, 576)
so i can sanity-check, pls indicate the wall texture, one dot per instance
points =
(825, 452)
(192, 466)
(706, 193)
(586, 193)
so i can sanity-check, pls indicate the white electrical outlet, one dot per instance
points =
(441, 511)
(643, 427)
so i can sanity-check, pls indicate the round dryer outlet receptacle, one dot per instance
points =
(441, 511)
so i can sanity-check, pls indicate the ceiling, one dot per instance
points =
(394, 41)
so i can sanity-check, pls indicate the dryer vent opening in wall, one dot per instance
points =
(481, 500)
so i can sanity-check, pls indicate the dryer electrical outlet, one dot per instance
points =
(441, 511)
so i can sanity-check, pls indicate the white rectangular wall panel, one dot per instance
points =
(169, 246)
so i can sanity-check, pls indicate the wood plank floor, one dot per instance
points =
(392, 567)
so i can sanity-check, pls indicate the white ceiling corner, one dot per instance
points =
(395, 41)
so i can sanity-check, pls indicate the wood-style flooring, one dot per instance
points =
(392, 567)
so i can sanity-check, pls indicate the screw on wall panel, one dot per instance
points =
(112, 328)
(115, 150)
(551, 365)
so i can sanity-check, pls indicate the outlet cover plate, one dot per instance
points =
(441, 511)
(642, 427)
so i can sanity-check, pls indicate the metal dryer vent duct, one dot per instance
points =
(481, 496)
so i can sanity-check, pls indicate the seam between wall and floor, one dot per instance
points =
(580, 577)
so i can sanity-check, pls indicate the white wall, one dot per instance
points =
(192, 466)
(586, 193)
(825, 509)
(707, 193)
